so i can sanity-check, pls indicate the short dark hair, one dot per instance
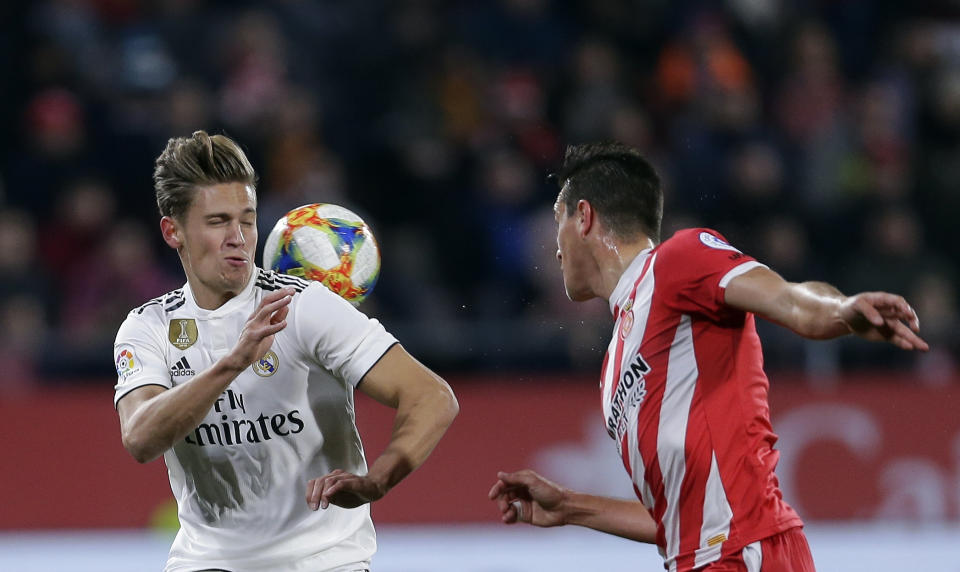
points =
(196, 161)
(618, 182)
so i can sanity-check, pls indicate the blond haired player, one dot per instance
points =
(243, 380)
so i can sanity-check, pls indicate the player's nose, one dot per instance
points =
(236, 236)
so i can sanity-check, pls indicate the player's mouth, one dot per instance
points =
(236, 261)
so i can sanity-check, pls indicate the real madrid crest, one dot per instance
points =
(183, 332)
(267, 365)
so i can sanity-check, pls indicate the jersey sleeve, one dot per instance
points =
(138, 354)
(695, 266)
(338, 336)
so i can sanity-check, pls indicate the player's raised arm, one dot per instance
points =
(425, 406)
(525, 496)
(818, 310)
(152, 418)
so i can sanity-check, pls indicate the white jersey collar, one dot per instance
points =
(229, 306)
(625, 285)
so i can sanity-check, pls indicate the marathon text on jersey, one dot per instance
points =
(629, 394)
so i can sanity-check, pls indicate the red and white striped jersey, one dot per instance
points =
(685, 399)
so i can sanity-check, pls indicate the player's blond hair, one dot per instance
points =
(197, 161)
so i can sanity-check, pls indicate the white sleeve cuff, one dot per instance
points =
(738, 270)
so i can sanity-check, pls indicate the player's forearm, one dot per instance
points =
(158, 423)
(420, 423)
(624, 518)
(815, 312)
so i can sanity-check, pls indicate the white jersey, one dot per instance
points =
(240, 478)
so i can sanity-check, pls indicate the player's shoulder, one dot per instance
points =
(688, 239)
(161, 305)
(152, 315)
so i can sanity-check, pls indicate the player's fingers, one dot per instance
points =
(272, 302)
(280, 315)
(333, 484)
(266, 311)
(314, 488)
(272, 297)
(905, 338)
(912, 319)
(512, 514)
(269, 329)
(524, 477)
(497, 489)
(865, 306)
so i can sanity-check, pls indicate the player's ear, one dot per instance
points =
(171, 232)
(584, 216)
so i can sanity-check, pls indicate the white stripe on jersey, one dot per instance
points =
(753, 556)
(716, 517)
(738, 270)
(672, 432)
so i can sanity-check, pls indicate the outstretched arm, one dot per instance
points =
(817, 310)
(525, 496)
(425, 407)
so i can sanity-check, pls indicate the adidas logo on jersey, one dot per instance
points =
(181, 368)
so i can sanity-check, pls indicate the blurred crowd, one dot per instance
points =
(821, 137)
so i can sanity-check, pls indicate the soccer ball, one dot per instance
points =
(326, 243)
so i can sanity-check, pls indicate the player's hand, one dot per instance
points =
(879, 316)
(342, 489)
(257, 336)
(525, 496)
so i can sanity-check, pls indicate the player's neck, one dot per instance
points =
(211, 297)
(613, 258)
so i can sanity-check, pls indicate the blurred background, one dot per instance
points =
(821, 137)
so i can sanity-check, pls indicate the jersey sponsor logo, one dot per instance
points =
(267, 365)
(182, 368)
(127, 361)
(236, 427)
(630, 393)
(714, 242)
(182, 333)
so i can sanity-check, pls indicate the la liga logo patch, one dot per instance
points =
(127, 361)
(714, 242)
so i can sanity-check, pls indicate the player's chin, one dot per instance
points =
(235, 277)
(579, 294)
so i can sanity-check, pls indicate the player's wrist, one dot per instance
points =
(568, 509)
(231, 365)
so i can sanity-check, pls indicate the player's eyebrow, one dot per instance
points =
(246, 211)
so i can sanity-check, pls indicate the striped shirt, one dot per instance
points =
(685, 399)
